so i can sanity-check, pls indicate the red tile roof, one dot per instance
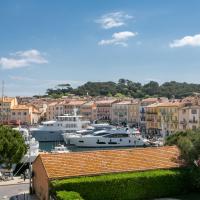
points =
(109, 161)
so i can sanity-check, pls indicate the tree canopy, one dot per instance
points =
(189, 145)
(128, 88)
(12, 146)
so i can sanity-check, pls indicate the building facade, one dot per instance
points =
(88, 110)
(6, 104)
(189, 118)
(25, 114)
(104, 109)
(126, 112)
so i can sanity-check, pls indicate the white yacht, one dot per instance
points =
(33, 145)
(60, 149)
(107, 138)
(90, 130)
(53, 130)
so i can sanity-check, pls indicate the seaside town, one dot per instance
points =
(98, 123)
(151, 115)
(99, 100)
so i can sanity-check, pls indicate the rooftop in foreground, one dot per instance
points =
(109, 161)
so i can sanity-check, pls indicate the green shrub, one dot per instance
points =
(125, 186)
(64, 195)
(195, 179)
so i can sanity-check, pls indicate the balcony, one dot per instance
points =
(150, 120)
(193, 121)
(183, 122)
(152, 112)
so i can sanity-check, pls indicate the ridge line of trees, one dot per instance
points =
(127, 88)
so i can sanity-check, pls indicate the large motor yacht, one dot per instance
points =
(107, 138)
(90, 130)
(51, 131)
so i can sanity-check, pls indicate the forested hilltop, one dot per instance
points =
(128, 88)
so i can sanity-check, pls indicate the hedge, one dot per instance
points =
(125, 186)
(64, 195)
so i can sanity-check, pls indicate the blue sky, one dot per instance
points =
(44, 43)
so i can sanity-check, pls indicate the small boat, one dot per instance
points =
(60, 149)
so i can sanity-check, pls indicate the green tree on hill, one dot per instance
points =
(12, 146)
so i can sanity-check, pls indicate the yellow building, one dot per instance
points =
(168, 116)
(126, 112)
(25, 114)
(6, 104)
(151, 118)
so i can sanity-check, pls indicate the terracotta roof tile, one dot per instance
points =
(110, 101)
(76, 103)
(109, 161)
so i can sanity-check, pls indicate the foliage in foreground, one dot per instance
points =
(189, 145)
(64, 195)
(124, 186)
(12, 146)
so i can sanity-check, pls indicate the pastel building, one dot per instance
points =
(168, 116)
(126, 112)
(70, 106)
(51, 111)
(189, 117)
(25, 114)
(6, 104)
(151, 118)
(88, 110)
(104, 109)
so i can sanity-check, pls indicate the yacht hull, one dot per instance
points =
(105, 142)
(47, 136)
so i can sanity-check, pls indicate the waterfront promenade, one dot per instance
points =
(16, 189)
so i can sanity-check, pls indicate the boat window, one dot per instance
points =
(101, 133)
(120, 135)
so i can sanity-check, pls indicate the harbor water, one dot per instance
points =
(48, 146)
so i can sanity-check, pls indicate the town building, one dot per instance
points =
(144, 103)
(168, 117)
(126, 112)
(189, 117)
(51, 166)
(6, 104)
(73, 104)
(51, 111)
(151, 119)
(88, 110)
(25, 114)
(104, 109)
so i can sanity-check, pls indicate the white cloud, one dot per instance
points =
(22, 59)
(119, 38)
(186, 41)
(21, 78)
(114, 19)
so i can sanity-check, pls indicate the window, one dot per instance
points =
(121, 135)
(194, 111)
(19, 113)
(13, 113)
(24, 113)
